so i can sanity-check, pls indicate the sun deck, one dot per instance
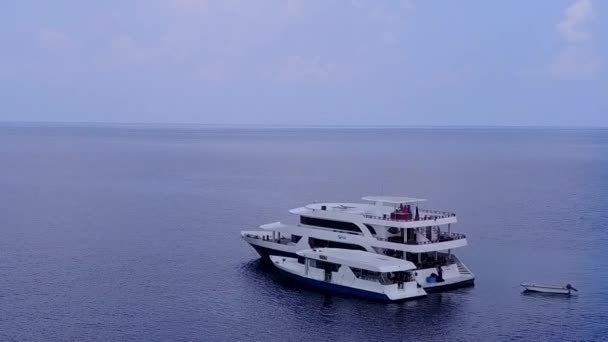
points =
(402, 211)
(369, 211)
(393, 199)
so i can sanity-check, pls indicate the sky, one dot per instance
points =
(306, 62)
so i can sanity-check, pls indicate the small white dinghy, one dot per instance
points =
(554, 289)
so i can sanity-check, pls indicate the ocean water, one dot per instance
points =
(131, 233)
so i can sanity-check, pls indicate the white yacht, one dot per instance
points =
(393, 226)
(352, 272)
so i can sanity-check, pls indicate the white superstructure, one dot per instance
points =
(389, 225)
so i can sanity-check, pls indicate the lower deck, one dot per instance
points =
(454, 274)
(339, 289)
(332, 275)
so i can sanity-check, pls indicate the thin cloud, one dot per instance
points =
(126, 51)
(298, 68)
(294, 7)
(408, 5)
(54, 40)
(574, 63)
(388, 38)
(191, 7)
(577, 58)
(573, 26)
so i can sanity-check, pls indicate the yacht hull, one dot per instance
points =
(266, 248)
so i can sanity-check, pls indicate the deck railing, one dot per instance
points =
(443, 237)
(268, 237)
(425, 215)
(439, 213)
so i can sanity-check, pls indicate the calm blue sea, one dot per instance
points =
(131, 233)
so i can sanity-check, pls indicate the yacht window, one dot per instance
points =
(317, 243)
(301, 260)
(371, 229)
(347, 226)
(295, 238)
(394, 230)
(329, 266)
(365, 274)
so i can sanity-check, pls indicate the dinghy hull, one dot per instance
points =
(562, 290)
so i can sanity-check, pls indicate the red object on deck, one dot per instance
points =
(401, 216)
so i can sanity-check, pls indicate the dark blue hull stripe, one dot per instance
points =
(335, 288)
(265, 252)
(453, 286)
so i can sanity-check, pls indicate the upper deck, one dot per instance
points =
(401, 212)
(444, 242)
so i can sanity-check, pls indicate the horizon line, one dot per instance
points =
(279, 126)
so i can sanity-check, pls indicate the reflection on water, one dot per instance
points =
(331, 308)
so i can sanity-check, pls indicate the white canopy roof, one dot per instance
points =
(359, 259)
(393, 199)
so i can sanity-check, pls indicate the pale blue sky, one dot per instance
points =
(306, 62)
